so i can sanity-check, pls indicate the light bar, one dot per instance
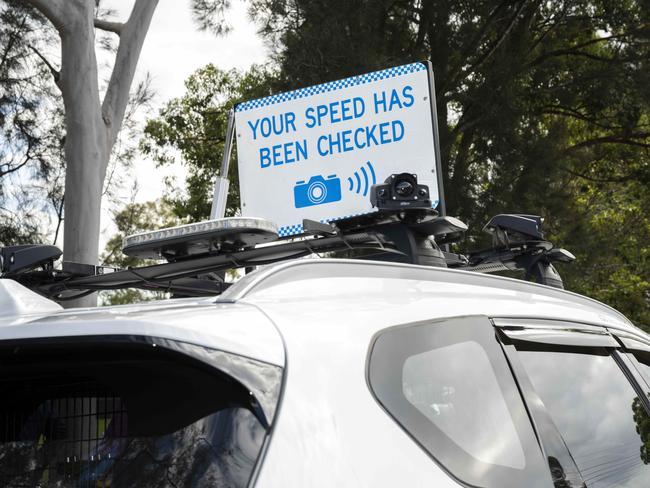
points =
(231, 233)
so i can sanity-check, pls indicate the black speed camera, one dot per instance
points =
(400, 191)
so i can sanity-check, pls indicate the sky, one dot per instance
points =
(173, 49)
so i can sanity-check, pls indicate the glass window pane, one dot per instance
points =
(598, 414)
(449, 385)
(124, 418)
(464, 401)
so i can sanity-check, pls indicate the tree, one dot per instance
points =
(642, 422)
(543, 109)
(194, 126)
(31, 156)
(134, 218)
(93, 122)
(91, 127)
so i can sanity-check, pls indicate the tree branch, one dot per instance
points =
(576, 114)
(570, 52)
(55, 72)
(109, 26)
(619, 179)
(472, 46)
(131, 40)
(11, 169)
(630, 140)
(53, 10)
(12, 40)
(59, 216)
(496, 44)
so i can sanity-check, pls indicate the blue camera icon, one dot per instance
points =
(317, 191)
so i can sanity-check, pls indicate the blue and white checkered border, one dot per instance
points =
(297, 229)
(292, 230)
(331, 86)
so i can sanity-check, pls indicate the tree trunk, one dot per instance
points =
(86, 145)
(91, 126)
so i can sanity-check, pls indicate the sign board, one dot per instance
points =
(315, 152)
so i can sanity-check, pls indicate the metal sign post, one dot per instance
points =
(442, 208)
(220, 195)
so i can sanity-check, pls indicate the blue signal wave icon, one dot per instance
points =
(364, 178)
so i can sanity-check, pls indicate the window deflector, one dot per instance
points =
(555, 333)
(617, 360)
(632, 342)
(569, 338)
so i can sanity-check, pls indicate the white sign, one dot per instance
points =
(315, 152)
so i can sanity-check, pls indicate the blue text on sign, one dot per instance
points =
(334, 112)
(276, 124)
(279, 154)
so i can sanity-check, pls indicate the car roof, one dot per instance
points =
(243, 320)
(440, 292)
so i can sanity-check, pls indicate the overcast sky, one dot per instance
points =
(173, 49)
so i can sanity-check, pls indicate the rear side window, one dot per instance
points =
(449, 386)
(596, 410)
(125, 415)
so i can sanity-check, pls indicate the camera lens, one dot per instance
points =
(404, 188)
(317, 192)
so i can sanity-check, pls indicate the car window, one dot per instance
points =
(448, 399)
(449, 386)
(597, 412)
(123, 417)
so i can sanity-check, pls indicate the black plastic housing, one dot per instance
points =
(400, 191)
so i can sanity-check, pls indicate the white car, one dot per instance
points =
(327, 373)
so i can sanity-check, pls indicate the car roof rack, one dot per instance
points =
(198, 254)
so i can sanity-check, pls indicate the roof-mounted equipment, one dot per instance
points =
(518, 244)
(403, 229)
(19, 259)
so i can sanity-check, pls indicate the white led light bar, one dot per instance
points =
(200, 237)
